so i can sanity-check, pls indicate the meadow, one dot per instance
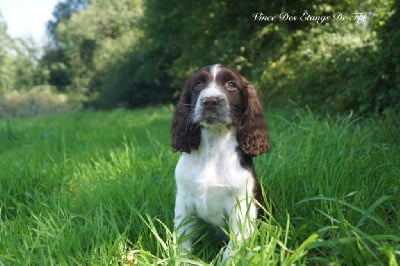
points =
(97, 188)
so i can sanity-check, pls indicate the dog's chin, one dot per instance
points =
(214, 121)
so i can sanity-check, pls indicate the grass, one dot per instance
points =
(97, 188)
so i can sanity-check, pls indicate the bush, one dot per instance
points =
(134, 53)
(41, 99)
(340, 70)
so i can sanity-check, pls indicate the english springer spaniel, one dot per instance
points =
(218, 126)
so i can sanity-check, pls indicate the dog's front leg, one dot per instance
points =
(183, 224)
(242, 221)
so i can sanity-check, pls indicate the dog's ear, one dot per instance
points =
(252, 134)
(185, 135)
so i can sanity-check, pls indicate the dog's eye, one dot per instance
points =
(198, 86)
(231, 85)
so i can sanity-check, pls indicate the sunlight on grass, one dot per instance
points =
(97, 188)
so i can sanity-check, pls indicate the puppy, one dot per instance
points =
(218, 126)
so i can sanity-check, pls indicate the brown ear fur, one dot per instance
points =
(252, 133)
(185, 135)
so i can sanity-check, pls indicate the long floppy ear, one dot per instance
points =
(185, 135)
(252, 134)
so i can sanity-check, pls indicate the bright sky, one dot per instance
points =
(27, 18)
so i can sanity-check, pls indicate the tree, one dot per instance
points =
(5, 59)
(17, 61)
(387, 90)
(89, 43)
(63, 11)
(132, 53)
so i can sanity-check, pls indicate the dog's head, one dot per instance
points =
(219, 96)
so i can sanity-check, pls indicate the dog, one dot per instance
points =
(218, 126)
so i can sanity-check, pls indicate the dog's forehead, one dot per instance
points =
(215, 69)
(218, 70)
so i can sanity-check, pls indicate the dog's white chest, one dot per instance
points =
(211, 182)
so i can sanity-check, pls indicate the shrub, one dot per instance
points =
(354, 68)
(41, 99)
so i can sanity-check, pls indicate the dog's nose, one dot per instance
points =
(211, 101)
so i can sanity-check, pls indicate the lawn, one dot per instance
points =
(97, 188)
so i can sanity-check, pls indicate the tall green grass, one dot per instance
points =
(97, 188)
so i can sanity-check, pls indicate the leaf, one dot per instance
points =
(370, 210)
(299, 252)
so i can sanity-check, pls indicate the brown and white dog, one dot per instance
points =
(218, 126)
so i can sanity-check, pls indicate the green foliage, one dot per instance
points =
(333, 66)
(389, 60)
(63, 11)
(92, 46)
(17, 62)
(134, 53)
(323, 72)
(97, 188)
(341, 66)
(38, 100)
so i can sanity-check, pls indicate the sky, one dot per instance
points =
(27, 18)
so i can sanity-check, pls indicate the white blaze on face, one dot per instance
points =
(214, 71)
(212, 89)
